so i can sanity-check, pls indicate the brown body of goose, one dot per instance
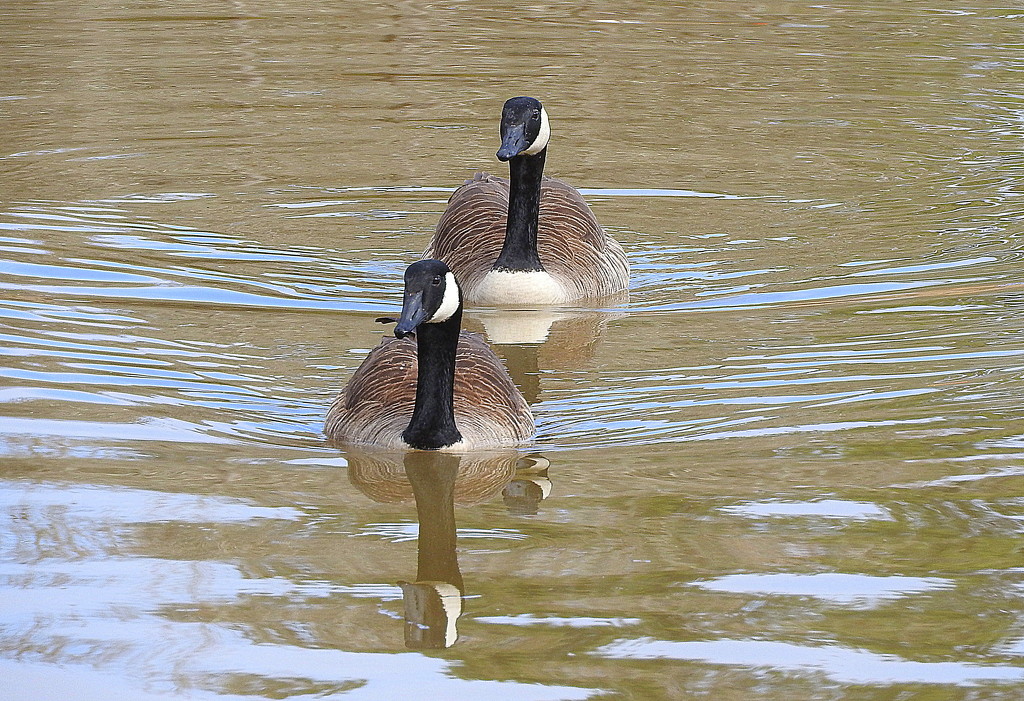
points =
(528, 239)
(444, 390)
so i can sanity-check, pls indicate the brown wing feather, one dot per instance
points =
(489, 408)
(376, 405)
(471, 231)
(572, 246)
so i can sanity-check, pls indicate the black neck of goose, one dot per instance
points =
(432, 425)
(519, 252)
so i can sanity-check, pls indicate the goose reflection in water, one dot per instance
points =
(436, 482)
(529, 487)
(553, 339)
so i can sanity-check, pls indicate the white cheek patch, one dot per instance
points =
(542, 137)
(449, 303)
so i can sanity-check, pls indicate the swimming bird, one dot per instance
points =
(529, 239)
(432, 386)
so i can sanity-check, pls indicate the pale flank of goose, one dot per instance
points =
(530, 239)
(445, 390)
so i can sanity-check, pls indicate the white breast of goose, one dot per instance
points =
(518, 287)
(457, 447)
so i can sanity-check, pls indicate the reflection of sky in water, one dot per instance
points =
(528, 619)
(403, 532)
(227, 655)
(857, 589)
(837, 663)
(824, 508)
(101, 602)
(125, 505)
(952, 480)
(157, 429)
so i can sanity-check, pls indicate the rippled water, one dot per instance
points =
(789, 465)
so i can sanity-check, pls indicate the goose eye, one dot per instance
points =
(436, 280)
(536, 114)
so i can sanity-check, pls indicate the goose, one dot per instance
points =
(529, 239)
(432, 386)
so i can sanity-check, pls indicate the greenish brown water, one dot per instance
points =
(789, 466)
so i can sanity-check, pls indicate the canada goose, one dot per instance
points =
(530, 239)
(446, 390)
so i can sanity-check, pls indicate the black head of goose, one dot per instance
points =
(529, 239)
(432, 386)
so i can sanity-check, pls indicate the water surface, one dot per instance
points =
(788, 466)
